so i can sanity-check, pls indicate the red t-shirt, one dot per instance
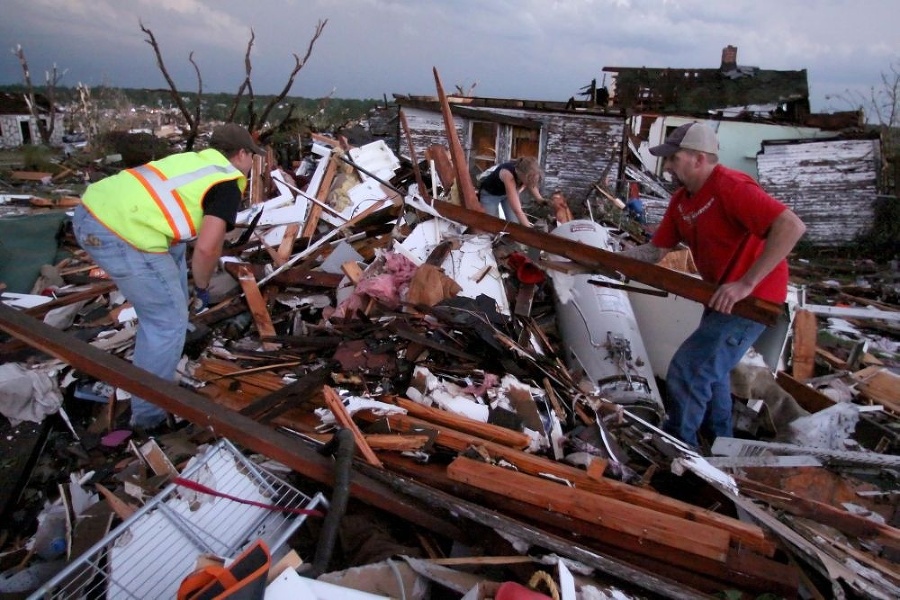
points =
(725, 225)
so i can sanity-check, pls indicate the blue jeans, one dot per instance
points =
(492, 204)
(698, 380)
(156, 285)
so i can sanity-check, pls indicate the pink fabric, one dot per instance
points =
(490, 381)
(389, 286)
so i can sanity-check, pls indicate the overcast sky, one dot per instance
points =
(529, 49)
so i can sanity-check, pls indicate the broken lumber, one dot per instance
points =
(648, 580)
(805, 336)
(257, 306)
(486, 431)
(677, 534)
(205, 413)
(689, 287)
(463, 178)
(748, 535)
(315, 211)
(337, 408)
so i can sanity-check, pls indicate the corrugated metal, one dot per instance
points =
(831, 185)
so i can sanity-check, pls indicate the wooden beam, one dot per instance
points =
(463, 179)
(705, 574)
(257, 306)
(423, 191)
(808, 398)
(486, 431)
(747, 534)
(679, 534)
(604, 260)
(442, 164)
(847, 522)
(286, 248)
(337, 408)
(315, 211)
(396, 443)
(88, 293)
(806, 332)
(529, 531)
(206, 413)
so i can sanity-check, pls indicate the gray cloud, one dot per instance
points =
(536, 49)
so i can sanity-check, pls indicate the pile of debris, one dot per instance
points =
(497, 386)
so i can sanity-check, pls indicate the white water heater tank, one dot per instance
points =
(599, 332)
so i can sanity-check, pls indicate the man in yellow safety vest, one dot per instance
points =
(136, 225)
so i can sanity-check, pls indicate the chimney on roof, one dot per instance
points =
(729, 58)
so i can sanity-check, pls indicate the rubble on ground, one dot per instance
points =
(497, 441)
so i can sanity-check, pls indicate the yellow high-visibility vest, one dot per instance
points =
(160, 203)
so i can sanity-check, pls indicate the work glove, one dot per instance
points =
(201, 299)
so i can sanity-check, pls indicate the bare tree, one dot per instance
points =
(881, 104)
(256, 121)
(885, 105)
(191, 118)
(51, 79)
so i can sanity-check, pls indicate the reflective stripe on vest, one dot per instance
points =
(165, 194)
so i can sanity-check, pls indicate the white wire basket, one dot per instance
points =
(151, 552)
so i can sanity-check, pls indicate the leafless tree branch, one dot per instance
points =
(192, 134)
(192, 122)
(298, 64)
(51, 79)
(245, 84)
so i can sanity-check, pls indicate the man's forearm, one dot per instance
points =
(646, 253)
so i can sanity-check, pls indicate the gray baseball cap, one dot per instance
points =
(231, 137)
(690, 136)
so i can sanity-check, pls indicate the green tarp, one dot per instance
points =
(27, 242)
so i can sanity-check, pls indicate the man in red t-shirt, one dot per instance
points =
(739, 237)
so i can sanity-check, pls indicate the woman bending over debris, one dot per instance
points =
(135, 226)
(502, 185)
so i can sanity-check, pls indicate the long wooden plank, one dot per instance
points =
(805, 338)
(423, 191)
(287, 243)
(315, 212)
(595, 258)
(533, 533)
(88, 293)
(638, 552)
(747, 534)
(486, 431)
(847, 522)
(206, 413)
(463, 178)
(257, 306)
(678, 534)
(341, 415)
(810, 399)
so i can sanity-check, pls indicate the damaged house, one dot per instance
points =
(17, 126)
(825, 167)
(488, 389)
(576, 147)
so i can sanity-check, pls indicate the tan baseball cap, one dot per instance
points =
(690, 136)
(231, 137)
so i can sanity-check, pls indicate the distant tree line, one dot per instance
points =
(324, 114)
